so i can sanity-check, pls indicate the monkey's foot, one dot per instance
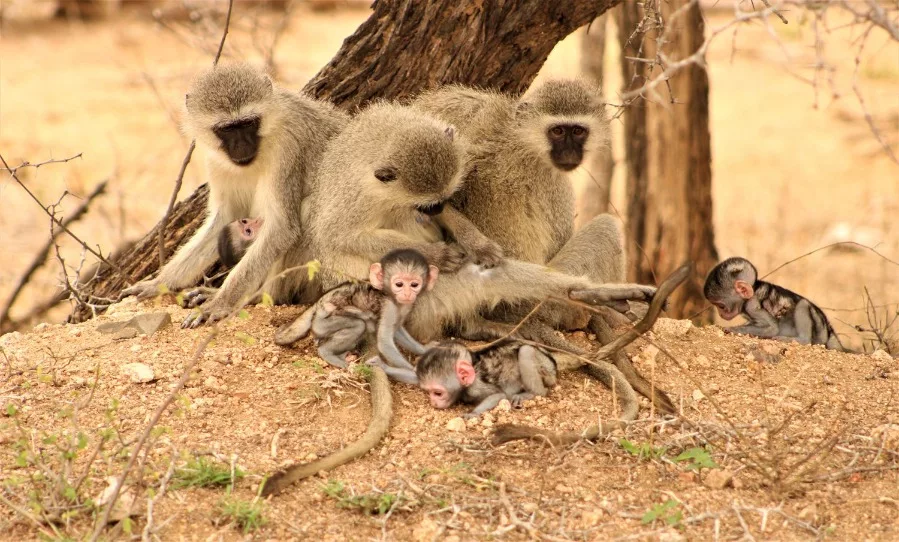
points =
(198, 296)
(612, 294)
(145, 289)
(209, 313)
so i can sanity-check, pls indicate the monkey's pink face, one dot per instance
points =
(726, 312)
(437, 395)
(406, 287)
(249, 228)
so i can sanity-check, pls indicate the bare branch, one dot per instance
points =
(99, 256)
(41, 255)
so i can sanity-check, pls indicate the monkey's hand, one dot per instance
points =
(210, 312)
(486, 254)
(519, 398)
(145, 289)
(448, 257)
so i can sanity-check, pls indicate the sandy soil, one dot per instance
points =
(263, 406)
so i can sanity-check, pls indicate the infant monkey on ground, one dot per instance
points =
(773, 312)
(343, 317)
(450, 372)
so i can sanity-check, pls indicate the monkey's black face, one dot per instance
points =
(240, 139)
(567, 141)
(431, 209)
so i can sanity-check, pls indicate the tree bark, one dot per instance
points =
(669, 161)
(594, 197)
(404, 47)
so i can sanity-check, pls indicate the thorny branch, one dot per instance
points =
(41, 255)
(659, 67)
(57, 221)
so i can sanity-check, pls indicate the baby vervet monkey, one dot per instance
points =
(342, 318)
(449, 372)
(236, 238)
(773, 312)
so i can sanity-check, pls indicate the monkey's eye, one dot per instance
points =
(437, 393)
(398, 284)
(243, 221)
(414, 284)
(578, 131)
(557, 131)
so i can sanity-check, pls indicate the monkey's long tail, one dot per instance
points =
(381, 414)
(507, 432)
(297, 329)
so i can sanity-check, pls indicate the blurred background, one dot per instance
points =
(796, 164)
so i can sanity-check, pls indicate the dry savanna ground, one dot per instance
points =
(800, 445)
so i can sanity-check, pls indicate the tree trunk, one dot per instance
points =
(403, 48)
(594, 197)
(669, 161)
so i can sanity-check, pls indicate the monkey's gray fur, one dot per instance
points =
(509, 369)
(262, 145)
(519, 194)
(773, 311)
(361, 214)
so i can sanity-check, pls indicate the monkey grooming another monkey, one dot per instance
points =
(519, 194)
(343, 316)
(378, 180)
(451, 373)
(262, 146)
(773, 312)
(236, 238)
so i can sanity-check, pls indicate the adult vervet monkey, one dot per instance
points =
(519, 194)
(262, 144)
(384, 173)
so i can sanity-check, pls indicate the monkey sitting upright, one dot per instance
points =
(450, 372)
(342, 317)
(773, 312)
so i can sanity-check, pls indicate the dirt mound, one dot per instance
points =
(781, 441)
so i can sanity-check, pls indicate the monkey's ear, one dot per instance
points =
(386, 174)
(744, 289)
(450, 132)
(376, 276)
(433, 271)
(465, 372)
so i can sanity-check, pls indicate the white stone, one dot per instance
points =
(138, 372)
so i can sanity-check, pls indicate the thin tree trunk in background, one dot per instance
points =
(402, 49)
(594, 199)
(669, 196)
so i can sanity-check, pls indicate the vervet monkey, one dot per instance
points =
(383, 173)
(449, 373)
(262, 144)
(342, 318)
(519, 194)
(236, 238)
(773, 312)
